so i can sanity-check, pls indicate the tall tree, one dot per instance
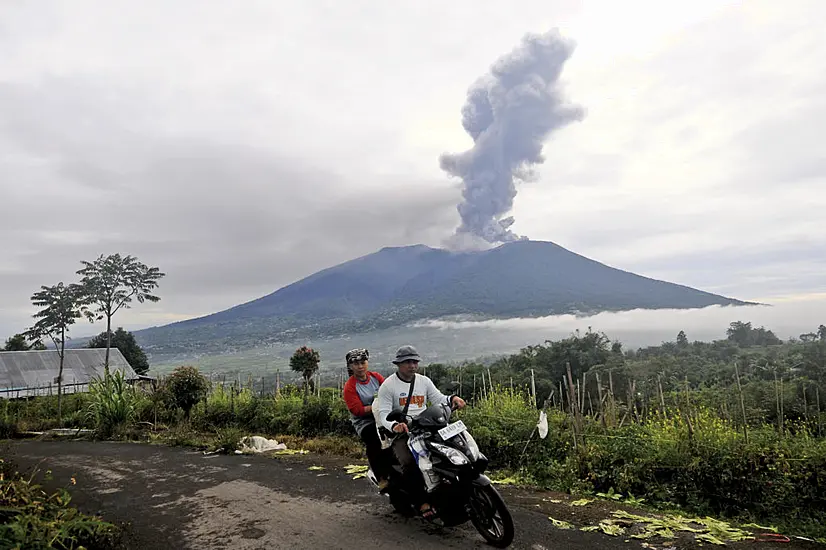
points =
(125, 342)
(821, 332)
(111, 283)
(61, 305)
(305, 361)
(19, 342)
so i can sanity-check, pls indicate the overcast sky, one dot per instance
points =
(242, 146)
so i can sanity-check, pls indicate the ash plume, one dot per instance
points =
(509, 112)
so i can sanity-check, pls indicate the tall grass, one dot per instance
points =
(113, 403)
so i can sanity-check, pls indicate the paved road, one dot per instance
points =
(178, 498)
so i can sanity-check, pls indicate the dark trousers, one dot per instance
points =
(372, 444)
(413, 478)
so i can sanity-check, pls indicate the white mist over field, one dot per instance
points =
(637, 328)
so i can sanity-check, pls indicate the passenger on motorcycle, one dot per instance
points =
(393, 397)
(359, 392)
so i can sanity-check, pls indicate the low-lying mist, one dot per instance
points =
(787, 319)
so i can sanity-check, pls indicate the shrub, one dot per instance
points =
(185, 388)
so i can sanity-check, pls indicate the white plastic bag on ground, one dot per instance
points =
(258, 444)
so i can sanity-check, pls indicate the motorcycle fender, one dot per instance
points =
(482, 480)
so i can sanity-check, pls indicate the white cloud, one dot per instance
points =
(789, 318)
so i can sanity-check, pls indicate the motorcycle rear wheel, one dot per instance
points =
(491, 517)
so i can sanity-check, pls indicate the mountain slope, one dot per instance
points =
(402, 284)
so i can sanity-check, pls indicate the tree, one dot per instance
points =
(186, 387)
(111, 283)
(821, 332)
(739, 333)
(682, 340)
(438, 374)
(61, 305)
(19, 342)
(305, 361)
(745, 336)
(125, 342)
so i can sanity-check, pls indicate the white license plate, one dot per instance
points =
(452, 429)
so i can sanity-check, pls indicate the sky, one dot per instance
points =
(241, 149)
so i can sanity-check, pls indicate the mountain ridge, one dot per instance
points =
(398, 285)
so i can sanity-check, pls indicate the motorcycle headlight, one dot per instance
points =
(472, 447)
(452, 454)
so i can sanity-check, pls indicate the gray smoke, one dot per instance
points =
(509, 113)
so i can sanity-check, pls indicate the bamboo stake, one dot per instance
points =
(599, 395)
(688, 411)
(662, 397)
(782, 409)
(561, 398)
(805, 405)
(777, 404)
(572, 401)
(742, 403)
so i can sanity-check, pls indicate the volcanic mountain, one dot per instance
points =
(398, 285)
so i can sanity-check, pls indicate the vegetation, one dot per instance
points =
(19, 342)
(33, 519)
(305, 362)
(112, 404)
(110, 283)
(125, 342)
(60, 307)
(185, 388)
(732, 428)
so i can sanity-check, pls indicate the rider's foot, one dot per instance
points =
(383, 484)
(427, 511)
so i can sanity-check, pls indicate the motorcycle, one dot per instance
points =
(462, 491)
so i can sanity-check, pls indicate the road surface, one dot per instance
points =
(176, 498)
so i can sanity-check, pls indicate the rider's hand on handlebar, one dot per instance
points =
(457, 402)
(400, 428)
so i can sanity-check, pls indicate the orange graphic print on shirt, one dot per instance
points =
(417, 400)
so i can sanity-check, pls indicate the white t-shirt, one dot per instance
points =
(393, 396)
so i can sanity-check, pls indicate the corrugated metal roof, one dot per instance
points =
(28, 373)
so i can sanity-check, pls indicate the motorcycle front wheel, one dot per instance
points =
(491, 517)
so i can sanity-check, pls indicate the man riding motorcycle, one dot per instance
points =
(393, 396)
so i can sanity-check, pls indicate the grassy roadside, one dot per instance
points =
(33, 519)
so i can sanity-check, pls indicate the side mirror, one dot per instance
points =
(452, 387)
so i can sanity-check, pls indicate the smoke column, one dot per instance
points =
(509, 112)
